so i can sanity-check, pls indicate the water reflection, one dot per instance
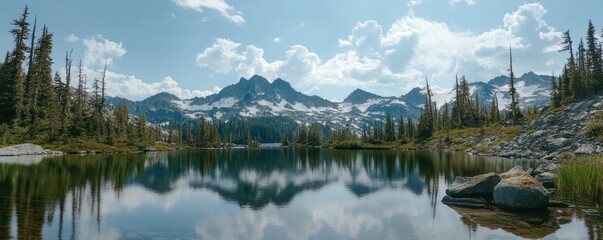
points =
(250, 193)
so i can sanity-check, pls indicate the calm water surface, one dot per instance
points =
(268, 193)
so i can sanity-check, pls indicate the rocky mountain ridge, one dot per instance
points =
(258, 97)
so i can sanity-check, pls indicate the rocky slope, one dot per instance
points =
(555, 132)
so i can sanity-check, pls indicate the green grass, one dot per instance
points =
(581, 178)
(595, 127)
(458, 137)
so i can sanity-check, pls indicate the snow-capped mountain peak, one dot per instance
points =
(258, 97)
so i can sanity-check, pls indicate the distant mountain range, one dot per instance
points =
(258, 97)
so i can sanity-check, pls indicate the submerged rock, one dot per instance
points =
(465, 202)
(520, 192)
(480, 185)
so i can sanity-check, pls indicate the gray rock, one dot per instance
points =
(22, 149)
(586, 149)
(546, 167)
(517, 170)
(547, 179)
(460, 180)
(550, 156)
(480, 185)
(520, 192)
(539, 133)
(554, 144)
(464, 202)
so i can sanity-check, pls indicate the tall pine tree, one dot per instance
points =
(514, 111)
(12, 77)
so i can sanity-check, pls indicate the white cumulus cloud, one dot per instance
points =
(99, 51)
(220, 56)
(414, 2)
(221, 6)
(72, 38)
(468, 2)
(390, 60)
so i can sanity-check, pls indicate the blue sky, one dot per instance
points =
(328, 48)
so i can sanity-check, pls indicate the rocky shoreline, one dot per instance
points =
(26, 149)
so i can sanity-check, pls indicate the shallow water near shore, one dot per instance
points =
(266, 193)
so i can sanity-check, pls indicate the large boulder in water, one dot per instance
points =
(480, 185)
(516, 171)
(520, 191)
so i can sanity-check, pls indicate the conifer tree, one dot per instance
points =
(578, 82)
(593, 57)
(514, 111)
(78, 109)
(410, 128)
(425, 126)
(565, 80)
(456, 110)
(66, 101)
(390, 133)
(141, 133)
(315, 135)
(401, 130)
(12, 77)
(44, 106)
(494, 112)
(28, 93)
(121, 116)
(555, 95)
(445, 116)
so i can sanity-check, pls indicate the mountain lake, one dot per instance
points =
(265, 193)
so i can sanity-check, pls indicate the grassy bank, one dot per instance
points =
(462, 139)
(581, 178)
(456, 139)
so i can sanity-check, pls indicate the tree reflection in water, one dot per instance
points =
(31, 195)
